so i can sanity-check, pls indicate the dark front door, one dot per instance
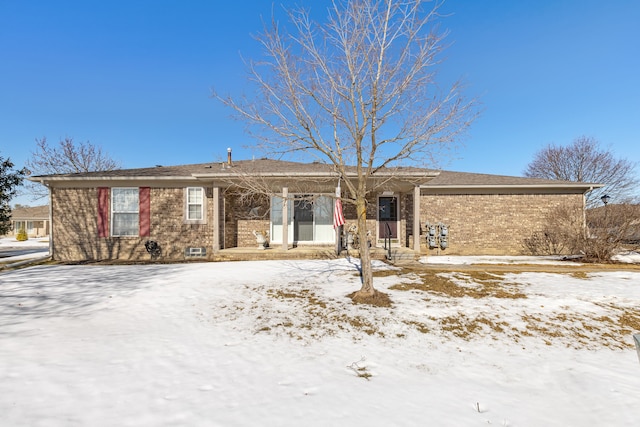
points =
(388, 217)
(303, 220)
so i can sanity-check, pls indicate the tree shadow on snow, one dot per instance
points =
(69, 291)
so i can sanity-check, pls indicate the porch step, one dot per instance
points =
(397, 254)
(401, 254)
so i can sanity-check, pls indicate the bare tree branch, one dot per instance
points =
(67, 157)
(585, 161)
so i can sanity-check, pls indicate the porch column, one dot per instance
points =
(416, 219)
(216, 219)
(285, 219)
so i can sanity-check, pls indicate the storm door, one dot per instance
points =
(303, 220)
(388, 218)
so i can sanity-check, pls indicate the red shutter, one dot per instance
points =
(145, 211)
(103, 212)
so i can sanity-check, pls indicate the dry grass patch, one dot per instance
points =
(419, 326)
(630, 320)
(459, 285)
(582, 330)
(505, 314)
(319, 317)
(303, 294)
(466, 327)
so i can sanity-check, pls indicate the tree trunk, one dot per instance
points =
(367, 289)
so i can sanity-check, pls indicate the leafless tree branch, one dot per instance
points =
(66, 157)
(585, 161)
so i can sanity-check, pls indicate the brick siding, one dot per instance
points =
(489, 224)
(478, 224)
(75, 228)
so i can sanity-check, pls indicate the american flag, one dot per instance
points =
(338, 217)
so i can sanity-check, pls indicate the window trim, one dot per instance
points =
(276, 235)
(203, 192)
(114, 212)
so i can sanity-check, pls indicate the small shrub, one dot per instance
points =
(545, 242)
(608, 229)
(22, 235)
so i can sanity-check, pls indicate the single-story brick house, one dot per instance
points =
(199, 210)
(33, 219)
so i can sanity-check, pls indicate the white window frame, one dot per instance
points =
(276, 218)
(202, 203)
(114, 212)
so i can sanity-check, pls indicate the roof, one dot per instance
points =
(450, 179)
(263, 167)
(30, 213)
(284, 169)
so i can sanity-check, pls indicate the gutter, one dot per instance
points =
(399, 174)
(587, 187)
(109, 178)
(315, 175)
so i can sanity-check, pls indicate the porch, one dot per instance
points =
(306, 252)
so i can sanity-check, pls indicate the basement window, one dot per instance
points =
(195, 252)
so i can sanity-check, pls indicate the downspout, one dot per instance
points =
(50, 218)
(584, 212)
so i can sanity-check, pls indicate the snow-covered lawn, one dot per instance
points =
(277, 343)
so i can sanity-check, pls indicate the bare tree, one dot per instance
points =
(585, 161)
(67, 157)
(357, 89)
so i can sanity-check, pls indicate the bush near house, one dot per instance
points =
(22, 235)
(610, 229)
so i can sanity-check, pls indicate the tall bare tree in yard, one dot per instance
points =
(357, 89)
(67, 157)
(584, 161)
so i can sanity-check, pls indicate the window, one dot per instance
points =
(195, 204)
(309, 218)
(125, 214)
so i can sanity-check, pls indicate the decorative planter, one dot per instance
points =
(261, 239)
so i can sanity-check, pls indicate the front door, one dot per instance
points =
(303, 220)
(388, 218)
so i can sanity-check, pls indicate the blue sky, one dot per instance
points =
(135, 77)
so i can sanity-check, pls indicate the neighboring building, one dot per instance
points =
(35, 220)
(201, 210)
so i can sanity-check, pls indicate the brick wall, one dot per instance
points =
(243, 215)
(478, 224)
(75, 228)
(489, 224)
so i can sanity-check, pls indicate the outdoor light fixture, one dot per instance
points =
(605, 199)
